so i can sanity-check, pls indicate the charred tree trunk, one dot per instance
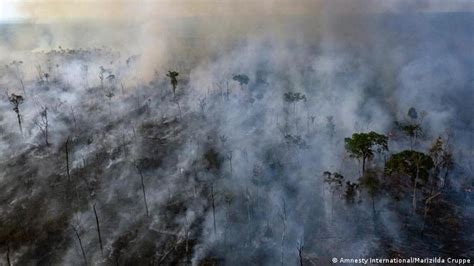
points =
(19, 123)
(8, 255)
(46, 136)
(283, 234)
(174, 89)
(73, 118)
(179, 109)
(363, 165)
(300, 253)
(230, 163)
(427, 209)
(414, 189)
(98, 229)
(186, 236)
(446, 181)
(66, 146)
(143, 189)
(80, 244)
(373, 205)
(213, 208)
(22, 86)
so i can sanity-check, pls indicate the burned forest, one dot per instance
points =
(236, 133)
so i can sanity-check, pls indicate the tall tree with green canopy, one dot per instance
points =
(334, 180)
(412, 130)
(173, 79)
(413, 164)
(371, 183)
(173, 75)
(412, 113)
(363, 145)
(242, 79)
(294, 98)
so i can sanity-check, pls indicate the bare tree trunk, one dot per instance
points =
(80, 244)
(98, 230)
(248, 205)
(300, 253)
(66, 146)
(124, 145)
(186, 236)
(427, 209)
(179, 108)
(445, 179)
(283, 234)
(138, 100)
(19, 123)
(213, 208)
(84, 176)
(143, 188)
(74, 118)
(373, 206)
(46, 135)
(414, 189)
(414, 197)
(230, 163)
(227, 90)
(22, 85)
(8, 255)
(363, 165)
(332, 203)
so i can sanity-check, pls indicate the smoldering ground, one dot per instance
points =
(224, 171)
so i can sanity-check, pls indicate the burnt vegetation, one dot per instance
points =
(100, 166)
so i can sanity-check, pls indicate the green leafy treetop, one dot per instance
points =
(292, 97)
(412, 113)
(242, 79)
(363, 145)
(413, 164)
(412, 130)
(173, 79)
(333, 178)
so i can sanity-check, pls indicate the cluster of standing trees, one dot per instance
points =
(426, 172)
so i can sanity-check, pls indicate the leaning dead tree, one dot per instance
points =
(80, 245)
(139, 170)
(98, 229)
(16, 101)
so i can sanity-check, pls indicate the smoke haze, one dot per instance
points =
(220, 170)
